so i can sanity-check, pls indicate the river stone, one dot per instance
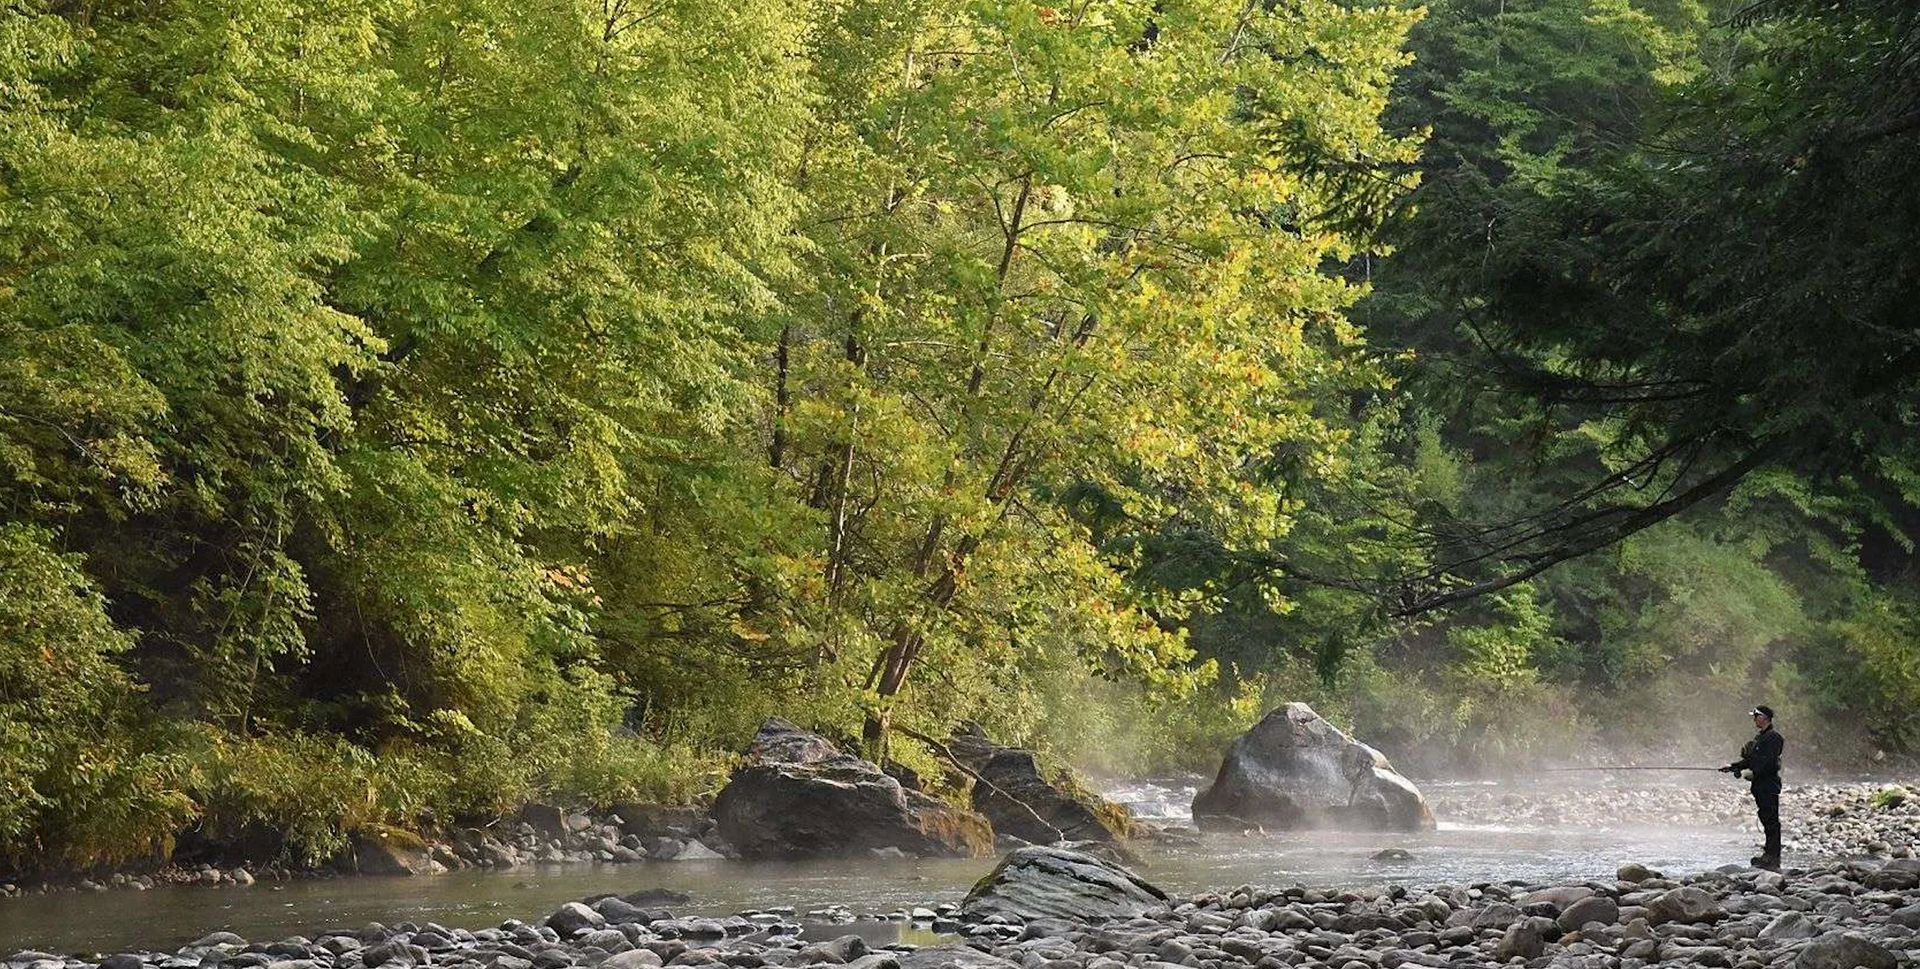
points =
(392, 953)
(1296, 770)
(800, 797)
(387, 851)
(632, 959)
(697, 850)
(572, 917)
(1522, 939)
(846, 948)
(1039, 882)
(1844, 950)
(1009, 790)
(1789, 925)
(1559, 897)
(216, 938)
(952, 956)
(1686, 905)
(1593, 908)
(1635, 873)
(619, 911)
(122, 961)
(1499, 915)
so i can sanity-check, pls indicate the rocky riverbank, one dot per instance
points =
(1855, 914)
(541, 835)
(1835, 820)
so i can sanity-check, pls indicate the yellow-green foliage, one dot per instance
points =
(80, 782)
(410, 410)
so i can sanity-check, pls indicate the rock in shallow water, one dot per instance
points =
(572, 917)
(1296, 770)
(801, 797)
(1037, 882)
(1019, 802)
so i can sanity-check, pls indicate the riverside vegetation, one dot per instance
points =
(412, 411)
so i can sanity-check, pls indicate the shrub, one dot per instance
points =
(80, 781)
(1891, 796)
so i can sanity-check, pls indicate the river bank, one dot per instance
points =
(1825, 820)
(541, 835)
(1834, 916)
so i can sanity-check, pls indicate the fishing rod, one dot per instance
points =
(1625, 767)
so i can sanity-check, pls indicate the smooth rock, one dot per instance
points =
(387, 851)
(572, 917)
(952, 956)
(1040, 882)
(800, 797)
(1686, 905)
(1010, 791)
(1593, 908)
(1844, 950)
(632, 959)
(1635, 873)
(1789, 925)
(1521, 940)
(1296, 770)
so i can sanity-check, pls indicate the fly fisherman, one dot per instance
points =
(1760, 763)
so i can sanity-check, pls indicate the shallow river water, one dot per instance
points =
(167, 917)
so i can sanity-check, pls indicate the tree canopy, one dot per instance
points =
(408, 411)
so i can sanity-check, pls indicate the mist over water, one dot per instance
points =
(1569, 849)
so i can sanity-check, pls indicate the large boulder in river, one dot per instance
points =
(387, 851)
(799, 796)
(1296, 770)
(1009, 789)
(1037, 882)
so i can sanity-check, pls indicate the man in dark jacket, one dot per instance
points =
(1760, 762)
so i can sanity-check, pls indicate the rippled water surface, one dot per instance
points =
(1456, 853)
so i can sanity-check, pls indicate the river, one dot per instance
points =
(1457, 853)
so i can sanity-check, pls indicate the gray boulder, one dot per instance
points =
(1686, 905)
(387, 851)
(1635, 872)
(1789, 925)
(632, 959)
(1010, 791)
(799, 796)
(1296, 770)
(1593, 908)
(1844, 950)
(952, 956)
(1522, 939)
(572, 917)
(1034, 883)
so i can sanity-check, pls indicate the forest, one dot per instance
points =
(410, 411)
